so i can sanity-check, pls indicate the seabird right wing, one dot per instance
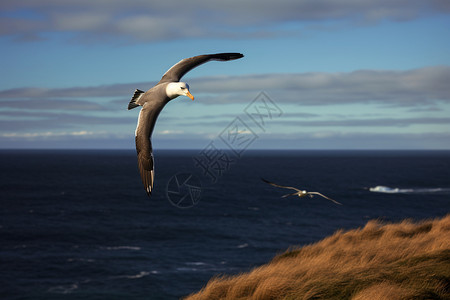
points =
(178, 70)
(328, 198)
(281, 186)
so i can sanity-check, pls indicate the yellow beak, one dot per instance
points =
(190, 95)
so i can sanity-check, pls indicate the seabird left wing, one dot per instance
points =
(144, 149)
(281, 186)
(145, 163)
(185, 65)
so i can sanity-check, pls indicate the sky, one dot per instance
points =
(317, 74)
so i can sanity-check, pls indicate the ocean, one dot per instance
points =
(77, 224)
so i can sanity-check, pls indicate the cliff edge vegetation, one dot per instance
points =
(406, 260)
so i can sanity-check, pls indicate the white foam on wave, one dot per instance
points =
(199, 266)
(140, 275)
(63, 289)
(185, 269)
(134, 248)
(193, 266)
(77, 259)
(389, 190)
(196, 263)
(136, 276)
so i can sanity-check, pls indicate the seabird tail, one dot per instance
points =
(136, 96)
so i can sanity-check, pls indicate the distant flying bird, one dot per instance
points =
(154, 100)
(298, 192)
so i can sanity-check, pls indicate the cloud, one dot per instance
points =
(52, 104)
(141, 20)
(411, 88)
(356, 140)
(14, 121)
(113, 90)
(47, 134)
(357, 123)
(170, 132)
(407, 88)
(82, 139)
(348, 122)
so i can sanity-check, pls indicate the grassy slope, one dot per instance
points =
(380, 261)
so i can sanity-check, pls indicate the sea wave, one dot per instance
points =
(196, 263)
(77, 259)
(390, 190)
(63, 289)
(199, 266)
(134, 248)
(140, 275)
(136, 276)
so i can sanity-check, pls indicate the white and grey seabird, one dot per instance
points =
(298, 192)
(154, 100)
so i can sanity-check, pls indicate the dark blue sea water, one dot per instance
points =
(79, 225)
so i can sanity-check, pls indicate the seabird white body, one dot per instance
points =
(300, 193)
(154, 100)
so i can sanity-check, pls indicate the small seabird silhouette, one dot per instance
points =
(154, 100)
(298, 192)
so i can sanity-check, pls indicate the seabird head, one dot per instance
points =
(175, 89)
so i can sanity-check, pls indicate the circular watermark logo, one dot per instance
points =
(184, 190)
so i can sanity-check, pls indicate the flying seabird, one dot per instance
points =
(298, 192)
(154, 100)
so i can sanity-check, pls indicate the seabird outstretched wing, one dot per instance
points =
(281, 186)
(185, 65)
(144, 149)
(317, 193)
(145, 162)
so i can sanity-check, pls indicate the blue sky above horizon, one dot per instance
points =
(345, 74)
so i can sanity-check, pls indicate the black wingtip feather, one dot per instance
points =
(228, 56)
(266, 181)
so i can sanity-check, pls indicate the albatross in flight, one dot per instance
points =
(298, 192)
(154, 100)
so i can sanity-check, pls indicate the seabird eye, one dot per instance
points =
(182, 88)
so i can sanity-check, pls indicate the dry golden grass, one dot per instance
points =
(379, 261)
